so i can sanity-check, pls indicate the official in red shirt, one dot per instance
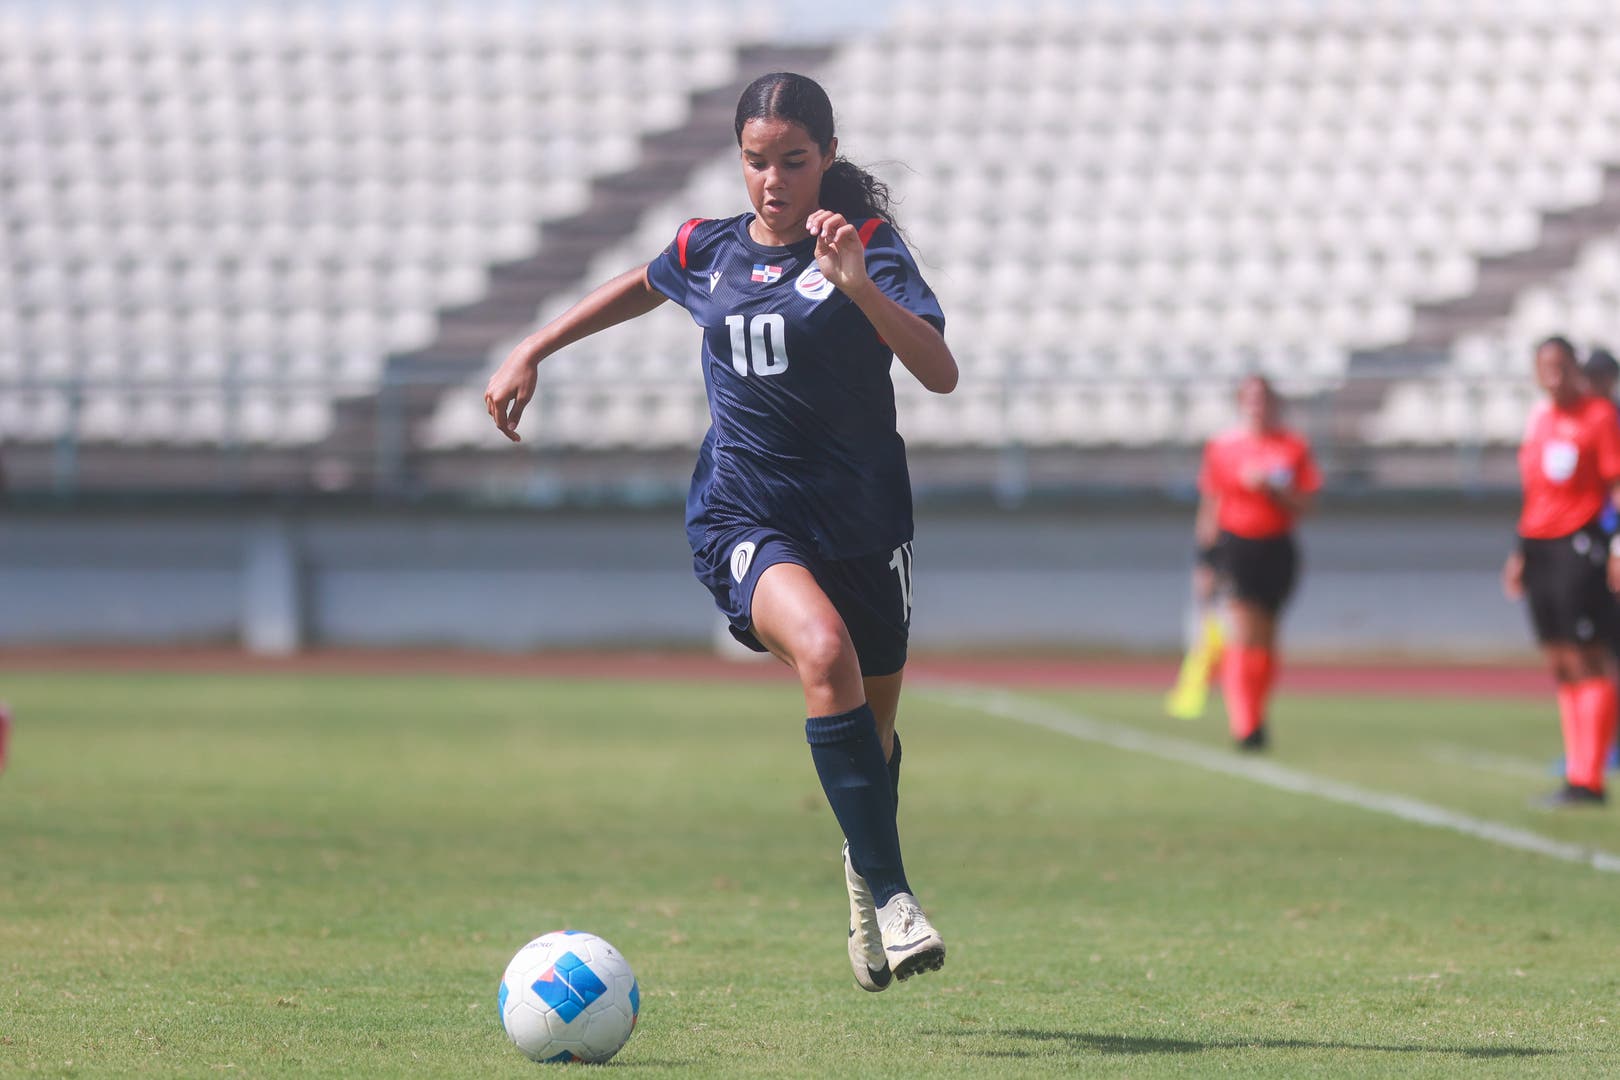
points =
(1569, 467)
(1254, 483)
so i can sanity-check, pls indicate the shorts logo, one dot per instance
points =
(813, 284)
(742, 557)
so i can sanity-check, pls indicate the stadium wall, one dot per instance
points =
(1378, 580)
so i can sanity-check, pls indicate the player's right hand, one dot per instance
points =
(1203, 584)
(509, 391)
(1513, 577)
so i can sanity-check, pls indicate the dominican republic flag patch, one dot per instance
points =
(770, 275)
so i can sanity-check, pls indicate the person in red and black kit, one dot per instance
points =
(1569, 466)
(1254, 483)
(1602, 373)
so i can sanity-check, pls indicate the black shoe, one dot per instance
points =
(1572, 795)
(1254, 740)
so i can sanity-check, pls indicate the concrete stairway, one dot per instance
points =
(1436, 326)
(1504, 277)
(412, 382)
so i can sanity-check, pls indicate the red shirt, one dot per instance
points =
(1568, 462)
(1282, 456)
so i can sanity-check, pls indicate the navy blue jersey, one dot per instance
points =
(802, 432)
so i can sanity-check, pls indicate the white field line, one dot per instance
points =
(1167, 748)
(1488, 761)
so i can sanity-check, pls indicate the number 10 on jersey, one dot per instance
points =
(764, 338)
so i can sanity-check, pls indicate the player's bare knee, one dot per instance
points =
(1595, 662)
(822, 652)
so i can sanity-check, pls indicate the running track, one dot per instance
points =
(1395, 679)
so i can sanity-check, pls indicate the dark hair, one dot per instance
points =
(1558, 341)
(846, 188)
(1265, 384)
(1601, 364)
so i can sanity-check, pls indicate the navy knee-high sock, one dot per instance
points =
(849, 760)
(894, 770)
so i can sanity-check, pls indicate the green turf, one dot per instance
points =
(321, 876)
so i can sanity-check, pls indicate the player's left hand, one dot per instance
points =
(1513, 576)
(1614, 572)
(1203, 584)
(839, 251)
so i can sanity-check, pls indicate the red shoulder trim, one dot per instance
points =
(868, 228)
(683, 236)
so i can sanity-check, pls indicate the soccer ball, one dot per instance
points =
(569, 996)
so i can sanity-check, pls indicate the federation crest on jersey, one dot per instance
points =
(1558, 460)
(813, 284)
(768, 275)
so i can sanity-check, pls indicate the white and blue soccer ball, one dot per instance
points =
(569, 996)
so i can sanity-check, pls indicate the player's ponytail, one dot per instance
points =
(852, 191)
(846, 188)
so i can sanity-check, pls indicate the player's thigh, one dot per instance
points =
(793, 618)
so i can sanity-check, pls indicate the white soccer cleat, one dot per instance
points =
(866, 956)
(909, 939)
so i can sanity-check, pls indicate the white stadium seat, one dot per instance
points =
(1123, 196)
(185, 186)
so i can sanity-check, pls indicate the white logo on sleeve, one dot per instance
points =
(714, 279)
(1558, 460)
(742, 557)
(813, 284)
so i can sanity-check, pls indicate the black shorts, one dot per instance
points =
(1258, 572)
(872, 593)
(1566, 581)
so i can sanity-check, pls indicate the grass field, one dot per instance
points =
(324, 876)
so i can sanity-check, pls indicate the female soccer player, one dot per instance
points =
(1569, 466)
(1255, 481)
(799, 515)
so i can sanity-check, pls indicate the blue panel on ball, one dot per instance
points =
(501, 997)
(564, 1057)
(635, 998)
(570, 933)
(568, 987)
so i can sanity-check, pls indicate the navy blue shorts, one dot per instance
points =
(872, 593)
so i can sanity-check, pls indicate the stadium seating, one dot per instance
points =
(1493, 365)
(212, 226)
(1124, 205)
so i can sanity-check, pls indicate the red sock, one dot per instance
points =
(1265, 676)
(1246, 675)
(1586, 755)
